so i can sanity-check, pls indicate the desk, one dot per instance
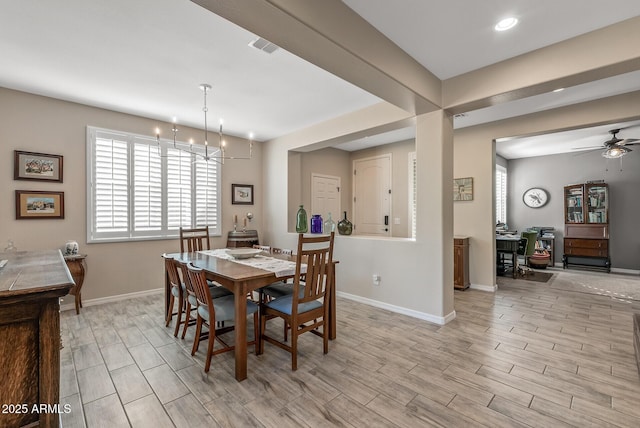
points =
(508, 245)
(31, 285)
(242, 279)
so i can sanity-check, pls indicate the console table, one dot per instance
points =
(31, 284)
(77, 267)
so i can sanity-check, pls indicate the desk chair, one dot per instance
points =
(526, 249)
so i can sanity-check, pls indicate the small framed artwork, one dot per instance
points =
(242, 194)
(37, 166)
(39, 204)
(463, 189)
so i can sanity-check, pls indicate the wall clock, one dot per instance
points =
(535, 197)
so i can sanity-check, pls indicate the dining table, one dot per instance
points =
(242, 279)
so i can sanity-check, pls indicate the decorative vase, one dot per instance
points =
(71, 248)
(316, 223)
(301, 220)
(345, 227)
(329, 225)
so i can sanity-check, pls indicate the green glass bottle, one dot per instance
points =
(301, 220)
(345, 227)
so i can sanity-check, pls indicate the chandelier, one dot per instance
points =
(211, 153)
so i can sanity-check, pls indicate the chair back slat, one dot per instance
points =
(194, 239)
(319, 261)
(198, 281)
(171, 267)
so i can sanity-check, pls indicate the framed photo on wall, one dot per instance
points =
(39, 204)
(463, 189)
(37, 166)
(242, 194)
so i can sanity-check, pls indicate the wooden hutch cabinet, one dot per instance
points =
(586, 228)
(460, 262)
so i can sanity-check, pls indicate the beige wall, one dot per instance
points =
(46, 125)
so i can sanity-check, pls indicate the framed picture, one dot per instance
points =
(37, 166)
(242, 194)
(39, 204)
(463, 189)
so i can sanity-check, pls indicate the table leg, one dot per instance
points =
(514, 263)
(167, 295)
(240, 296)
(332, 306)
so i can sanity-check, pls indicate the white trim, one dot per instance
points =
(625, 271)
(482, 287)
(108, 299)
(399, 309)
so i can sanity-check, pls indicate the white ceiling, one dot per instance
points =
(147, 57)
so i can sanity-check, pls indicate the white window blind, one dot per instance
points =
(501, 194)
(413, 191)
(141, 190)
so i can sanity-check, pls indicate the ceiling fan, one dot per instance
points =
(616, 147)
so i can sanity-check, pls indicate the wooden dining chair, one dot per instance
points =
(177, 292)
(308, 309)
(210, 311)
(194, 239)
(191, 300)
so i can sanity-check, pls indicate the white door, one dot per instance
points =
(325, 196)
(372, 195)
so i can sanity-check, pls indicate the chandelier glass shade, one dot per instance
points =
(216, 153)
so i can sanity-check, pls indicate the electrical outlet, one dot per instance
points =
(396, 220)
(376, 279)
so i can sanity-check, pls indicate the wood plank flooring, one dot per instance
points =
(525, 356)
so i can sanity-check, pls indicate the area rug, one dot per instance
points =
(617, 286)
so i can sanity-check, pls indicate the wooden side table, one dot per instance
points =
(77, 267)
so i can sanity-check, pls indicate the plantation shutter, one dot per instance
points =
(111, 183)
(147, 184)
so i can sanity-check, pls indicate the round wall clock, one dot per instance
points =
(535, 197)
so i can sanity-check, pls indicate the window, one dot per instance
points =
(138, 189)
(413, 192)
(501, 194)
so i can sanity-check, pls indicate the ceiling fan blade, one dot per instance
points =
(588, 148)
(627, 141)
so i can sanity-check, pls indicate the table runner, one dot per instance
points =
(278, 266)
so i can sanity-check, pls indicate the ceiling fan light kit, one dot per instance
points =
(615, 147)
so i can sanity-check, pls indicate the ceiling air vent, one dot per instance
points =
(264, 45)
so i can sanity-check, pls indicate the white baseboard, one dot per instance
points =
(399, 309)
(482, 287)
(625, 271)
(103, 300)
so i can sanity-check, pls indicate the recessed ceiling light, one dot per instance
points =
(506, 24)
(558, 90)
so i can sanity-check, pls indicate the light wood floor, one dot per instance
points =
(527, 355)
